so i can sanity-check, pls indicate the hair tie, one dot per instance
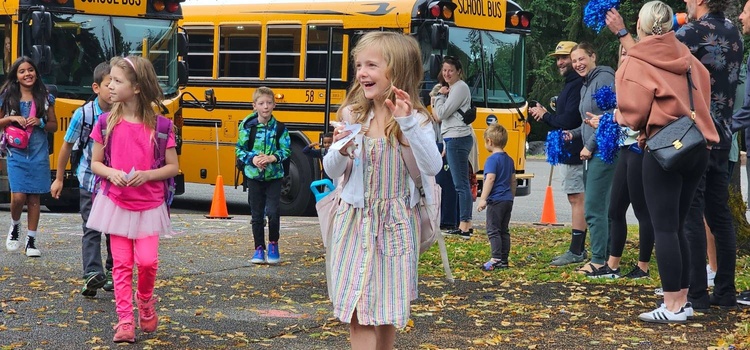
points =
(129, 62)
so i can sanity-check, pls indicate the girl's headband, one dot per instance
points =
(129, 62)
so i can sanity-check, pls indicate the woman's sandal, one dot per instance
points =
(587, 268)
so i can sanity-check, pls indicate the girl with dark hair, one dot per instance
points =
(26, 103)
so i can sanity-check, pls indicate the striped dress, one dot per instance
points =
(372, 258)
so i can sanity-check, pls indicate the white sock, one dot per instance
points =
(15, 222)
(31, 233)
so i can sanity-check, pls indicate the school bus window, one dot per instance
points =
(283, 51)
(317, 53)
(239, 51)
(154, 38)
(200, 51)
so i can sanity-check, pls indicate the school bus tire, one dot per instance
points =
(296, 197)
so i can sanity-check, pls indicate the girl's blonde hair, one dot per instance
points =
(656, 18)
(141, 74)
(404, 69)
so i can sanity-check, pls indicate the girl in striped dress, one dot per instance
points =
(372, 252)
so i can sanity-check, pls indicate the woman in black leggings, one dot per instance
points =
(652, 90)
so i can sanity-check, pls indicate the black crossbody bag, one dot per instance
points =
(678, 139)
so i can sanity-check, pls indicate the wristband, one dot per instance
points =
(42, 123)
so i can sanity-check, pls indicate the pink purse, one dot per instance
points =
(17, 137)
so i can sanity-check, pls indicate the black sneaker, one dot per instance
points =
(92, 282)
(466, 235)
(744, 298)
(604, 272)
(637, 273)
(723, 303)
(454, 232)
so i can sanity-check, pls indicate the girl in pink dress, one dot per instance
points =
(130, 204)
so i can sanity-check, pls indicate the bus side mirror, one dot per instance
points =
(182, 73)
(439, 36)
(42, 56)
(182, 44)
(435, 63)
(41, 26)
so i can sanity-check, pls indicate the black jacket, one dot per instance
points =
(568, 117)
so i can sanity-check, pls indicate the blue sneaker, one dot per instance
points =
(260, 256)
(273, 253)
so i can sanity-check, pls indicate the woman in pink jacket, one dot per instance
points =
(652, 90)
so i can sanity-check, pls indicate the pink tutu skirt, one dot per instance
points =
(107, 217)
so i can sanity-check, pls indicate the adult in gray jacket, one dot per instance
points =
(457, 136)
(597, 174)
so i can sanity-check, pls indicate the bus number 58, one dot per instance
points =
(310, 95)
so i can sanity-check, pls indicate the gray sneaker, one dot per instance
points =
(568, 258)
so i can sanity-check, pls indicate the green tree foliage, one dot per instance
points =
(557, 20)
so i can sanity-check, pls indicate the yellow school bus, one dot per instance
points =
(69, 38)
(300, 49)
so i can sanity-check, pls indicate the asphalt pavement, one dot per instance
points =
(211, 297)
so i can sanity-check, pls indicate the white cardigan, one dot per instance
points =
(420, 137)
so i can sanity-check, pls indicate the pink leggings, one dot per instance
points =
(145, 253)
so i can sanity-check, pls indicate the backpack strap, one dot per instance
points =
(411, 165)
(102, 122)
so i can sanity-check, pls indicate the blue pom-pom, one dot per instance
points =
(556, 153)
(609, 137)
(595, 13)
(605, 98)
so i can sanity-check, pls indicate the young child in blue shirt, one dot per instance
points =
(497, 195)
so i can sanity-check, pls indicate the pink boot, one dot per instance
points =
(147, 318)
(124, 332)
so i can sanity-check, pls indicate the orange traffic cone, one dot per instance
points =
(548, 209)
(219, 203)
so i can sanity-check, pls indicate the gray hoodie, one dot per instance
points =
(598, 77)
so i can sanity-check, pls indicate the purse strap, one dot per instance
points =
(690, 93)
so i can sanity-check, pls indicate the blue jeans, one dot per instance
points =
(457, 151)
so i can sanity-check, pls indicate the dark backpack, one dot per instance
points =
(163, 127)
(251, 141)
(470, 115)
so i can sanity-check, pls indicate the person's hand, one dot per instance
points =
(117, 178)
(338, 134)
(614, 21)
(259, 162)
(19, 120)
(34, 121)
(482, 204)
(56, 188)
(585, 153)
(444, 90)
(538, 112)
(138, 178)
(567, 135)
(592, 120)
(269, 158)
(402, 107)
(314, 145)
